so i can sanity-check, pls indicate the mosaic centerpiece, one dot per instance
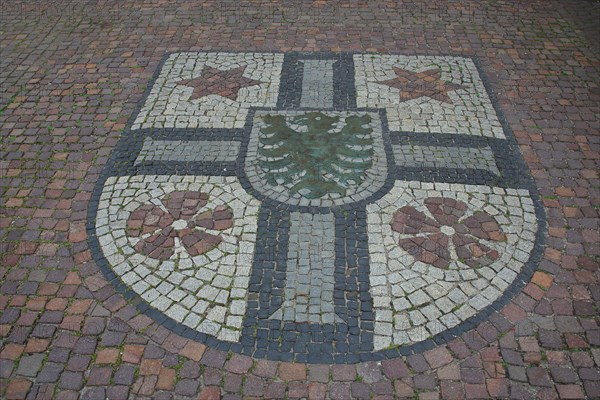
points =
(317, 207)
(316, 158)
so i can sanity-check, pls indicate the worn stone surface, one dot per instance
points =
(317, 84)
(179, 150)
(445, 157)
(309, 279)
(72, 77)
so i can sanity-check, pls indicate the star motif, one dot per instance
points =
(218, 82)
(413, 85)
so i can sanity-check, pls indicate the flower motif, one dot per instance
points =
(178, 217)
(449, 235)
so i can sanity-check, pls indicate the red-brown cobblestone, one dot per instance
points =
(71, 80)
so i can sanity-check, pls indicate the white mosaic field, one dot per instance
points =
(470, 112)
(414, 300)
(169, 106)
(206, 292)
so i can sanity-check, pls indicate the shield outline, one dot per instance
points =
(121, 162)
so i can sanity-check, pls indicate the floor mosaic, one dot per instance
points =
(75, 76)
(184, 244)
(317, 207)
(440, 253)
(210, 90)
(427, 94)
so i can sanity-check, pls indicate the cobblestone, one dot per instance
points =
(187, 151)
(503, 95)
(445, 157)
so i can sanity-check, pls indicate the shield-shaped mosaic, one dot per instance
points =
(317, 207)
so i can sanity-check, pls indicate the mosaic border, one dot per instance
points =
(121, 162)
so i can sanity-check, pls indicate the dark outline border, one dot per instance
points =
(513, 289)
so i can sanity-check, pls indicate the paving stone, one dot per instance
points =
(253, 386)
(117, 392)
(124, 375)
(132, 354)
(361, 390)
(471, 375)
(438, 357)
(212, 376)
(17, 389)
(570, 391)
(68, 394)
(318, 373)
(6, 367)
(517, 373)
(563, 375)
(403, 389)
(497, 387)
(592, 389)
(476, 391)
(265, 368)
(50, 372)
(394, 369)
(193, 351)
(317, 390)
(449, 372)
(42, 391)
(340, 391)
(551, 339)
(145, 385)
(451, 390)
(383, 388)
(210, 393)
(238, 364)
(71, 380)
(275, 390)
(538, 376)
(343, 372)
(94, 394)
(78, 363)
(99, 376)
(232, 382)
(94, 107)
(418, 363)
(213, 358)
(186, 387)
(297, 390)
(11, 351)
(370, 372)
(292, 372)
(424, 382)
(30, 365)
(152, 367)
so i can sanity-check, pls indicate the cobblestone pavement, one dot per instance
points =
(299, 200)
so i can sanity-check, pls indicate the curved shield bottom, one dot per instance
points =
(184, 244)
(442, 253)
